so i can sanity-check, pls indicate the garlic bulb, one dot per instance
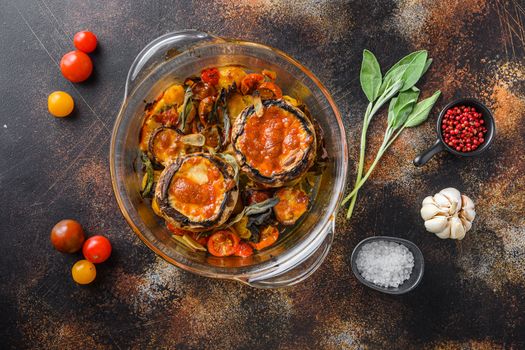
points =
(448, 214)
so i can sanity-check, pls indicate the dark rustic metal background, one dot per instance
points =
(473, 292)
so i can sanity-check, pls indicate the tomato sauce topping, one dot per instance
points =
(197, 190)
(273, 141)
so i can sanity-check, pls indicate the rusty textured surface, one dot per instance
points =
(473, 292)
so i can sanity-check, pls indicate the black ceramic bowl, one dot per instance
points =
(415, 277)
(440, 144)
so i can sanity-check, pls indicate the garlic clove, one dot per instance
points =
(457, 231)
(428, 211)
(453, 195)
(467, 202)
(437, 224)
(466, 223)
(468, 214)
(428, 200)
(445, 233)
(441, 200)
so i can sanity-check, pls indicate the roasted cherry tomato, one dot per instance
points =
(85, 41)
(268, 237)
(269, 90)
(293, 203)
(76, 66)
(203, 240)
(210, 76)
(223, 243)
(251, 82)
(84, 272)
(269, 74)
(256, 196)
(177, 231)
(97, 249)
(243, 250)
(60, 104)
(67, 236)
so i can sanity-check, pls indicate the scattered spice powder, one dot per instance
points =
(385, 264)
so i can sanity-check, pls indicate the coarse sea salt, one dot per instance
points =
(384, 263)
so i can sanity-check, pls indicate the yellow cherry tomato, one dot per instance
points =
(84, 272)
(60, 104)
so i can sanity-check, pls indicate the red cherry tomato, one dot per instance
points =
(97, 249)
(76, 66)
(85, 41)
(210, 76)
(223, 243)
(244, 250)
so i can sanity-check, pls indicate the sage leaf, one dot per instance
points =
(395, 75)
(414, 70)
(149, 176)
(261, 207)
(370, 76)
(391, 113)
(427, 65)
(398, 70)
(421, 110)
(404, 61)
(384, 98)
(187, 105)
(254, 209)
(401, 106)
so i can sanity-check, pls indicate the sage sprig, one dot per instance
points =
(187, 105)
(147, 180)
(398, 88)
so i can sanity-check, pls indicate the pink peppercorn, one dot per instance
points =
(463, 128)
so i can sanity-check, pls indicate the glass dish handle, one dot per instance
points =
(161, 49)
(300, 272)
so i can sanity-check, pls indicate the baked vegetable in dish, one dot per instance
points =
(165, 144)
(276, 147)
(293, 203)
(229, 162)
(197, 192)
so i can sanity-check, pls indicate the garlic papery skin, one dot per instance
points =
(448, 214)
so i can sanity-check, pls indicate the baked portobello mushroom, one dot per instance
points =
(276, 147)
(197, 192)
(164, 145)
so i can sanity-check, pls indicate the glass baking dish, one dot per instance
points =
(169, 59)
